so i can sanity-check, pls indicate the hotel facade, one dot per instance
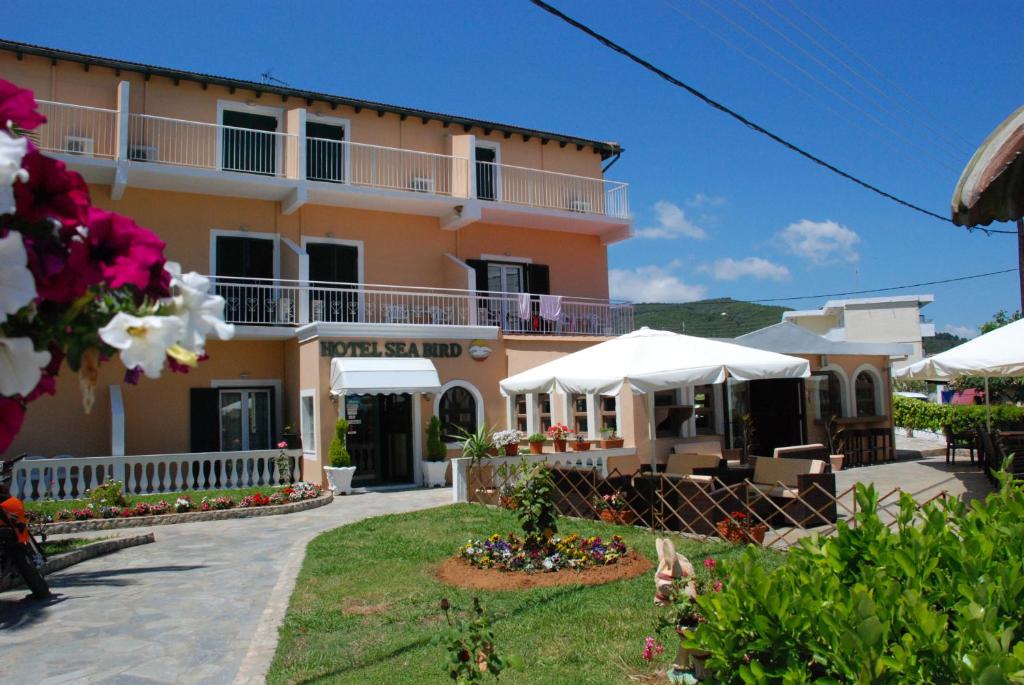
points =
(356, 244)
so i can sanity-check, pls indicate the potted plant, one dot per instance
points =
(580, 444)
(739, 527)
(507, 442)
(834, 433)
(614, 508)
(290, 436)
(559, 434)
(339, 473)
(434, 465)
(477, 447)
(609, 439)
(508, 478)
(686, 618)
(537, 441)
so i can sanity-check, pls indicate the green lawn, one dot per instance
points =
(51, 506)
(366, 601)
(54, 547)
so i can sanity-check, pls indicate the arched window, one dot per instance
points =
(457, 410)
(865, 394)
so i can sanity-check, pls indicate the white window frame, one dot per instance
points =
(490, 145)
(879, 394)
(246, 108)
(477, 396)
(844, 393)
(236, 233)
(360, 256)
(346, 124)
(311, 395)
(256, 383)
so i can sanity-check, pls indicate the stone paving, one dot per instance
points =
(200, 605)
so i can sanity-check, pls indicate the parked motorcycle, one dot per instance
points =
(19, 551)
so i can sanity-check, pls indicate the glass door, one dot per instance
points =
(505, 278)
(245, 420)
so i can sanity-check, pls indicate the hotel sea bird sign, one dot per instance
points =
(429, 350)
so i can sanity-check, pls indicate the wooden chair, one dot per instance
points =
(961, 441)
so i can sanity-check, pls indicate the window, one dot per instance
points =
(245, 419)
(578, 413)
(544, 411)
(609, 417)
(826, 394)
(666, 414)
(704, 409)
(457, 411)
(522, 421)
(307, 423)
(864, 390)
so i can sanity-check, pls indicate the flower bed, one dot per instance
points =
(179, 504)
(511, 553)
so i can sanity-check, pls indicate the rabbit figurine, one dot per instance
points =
(672, 566)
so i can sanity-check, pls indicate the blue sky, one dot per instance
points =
(720, 211)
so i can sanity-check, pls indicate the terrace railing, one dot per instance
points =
(77, 130)
(551, 190)
(251, 301)
(64, 478)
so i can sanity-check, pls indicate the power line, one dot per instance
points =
(607, 42)
(895, 287)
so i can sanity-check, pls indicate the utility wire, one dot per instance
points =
(895, 287)
(607, 42)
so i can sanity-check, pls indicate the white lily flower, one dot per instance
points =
(11, 152)
(20, 366)
(201, 312)
(143, 340)
(17, 285)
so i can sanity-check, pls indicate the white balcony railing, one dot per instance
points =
(551, 190)
(93, 132)
(77, 130)
(210, 146)
(267, 302)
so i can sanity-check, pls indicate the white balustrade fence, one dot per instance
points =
(552, 190)
(270, 302)
(209, 146)
(77, 130)
(375, 166)
(64, 478)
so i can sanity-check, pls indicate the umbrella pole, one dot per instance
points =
(988, 411)
(652, 431)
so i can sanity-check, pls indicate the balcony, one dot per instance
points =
(266, 302)
(131, 149)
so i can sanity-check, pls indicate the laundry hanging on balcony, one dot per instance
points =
(523, 300)
(551, 307)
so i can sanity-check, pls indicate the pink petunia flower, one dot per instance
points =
(12, 413)
(51, 192)
(18, 106)
(282, 444)
(128, 253)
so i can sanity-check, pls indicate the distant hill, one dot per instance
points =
(721, 318)
(941, 342)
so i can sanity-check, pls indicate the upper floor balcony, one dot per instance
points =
(276, 302)
(316, 163)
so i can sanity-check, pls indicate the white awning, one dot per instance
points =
(378, 375)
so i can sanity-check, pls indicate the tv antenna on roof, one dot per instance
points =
(268, 78)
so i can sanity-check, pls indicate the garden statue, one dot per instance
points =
(673, 567)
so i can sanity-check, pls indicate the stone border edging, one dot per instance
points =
(84, 553)
(62, 527)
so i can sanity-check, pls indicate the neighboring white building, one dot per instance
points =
(872, 319)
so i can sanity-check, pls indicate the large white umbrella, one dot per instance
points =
(996, 354)
(649, 360)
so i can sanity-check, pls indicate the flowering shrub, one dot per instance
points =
(254, 500)
(652, 648)
(302, 490)
(80, 284)
(559, 431)
(183, 504)
(512, 553)
(278, 498)
(613, 502)
(708, 577)
(509, 437)
(109, 493)
(216, 503)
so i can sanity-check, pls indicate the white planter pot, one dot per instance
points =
(433, 473)
(339, 478)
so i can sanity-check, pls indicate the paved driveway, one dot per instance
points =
(200, 605)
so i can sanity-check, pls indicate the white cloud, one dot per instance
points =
(672, 223)
(962, 331)
(704, 200)
(820, 242)
(652, 284)
(730, 269)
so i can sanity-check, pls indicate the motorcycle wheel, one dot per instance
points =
(33, 578)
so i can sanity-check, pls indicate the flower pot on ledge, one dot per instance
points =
(610, 443)
(511, 450)
(536, 448)
(580, 446)
(559, 445)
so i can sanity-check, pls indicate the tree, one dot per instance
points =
(1001, 389)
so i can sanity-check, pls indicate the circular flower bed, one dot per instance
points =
(511, 553)
(180, 504)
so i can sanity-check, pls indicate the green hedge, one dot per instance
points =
(910, 413)
(938, 600)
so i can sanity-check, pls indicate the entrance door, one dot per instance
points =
(777, 410)
(245, 419)
(380, 437)
(334, 270)
(486, 173)
(248, 143)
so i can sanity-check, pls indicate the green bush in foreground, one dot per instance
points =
(337, 452)
(938, 600)
(908, 412)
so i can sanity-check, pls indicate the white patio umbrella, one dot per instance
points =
(997, 354)
(649, 360)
